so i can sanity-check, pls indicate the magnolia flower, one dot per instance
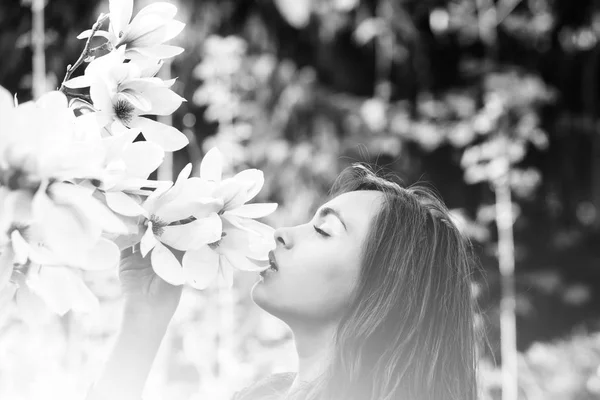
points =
(237, 249)
(235, 192)
(40, 141)
(6, 261)
(145, 34)
(48, 281)
(245, 243)
(183, 218)
(128, 166)
(40, 149)
(124, 92)
(57, 289)
(28, 245)
(71, 221)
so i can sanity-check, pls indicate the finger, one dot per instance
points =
(127, 251)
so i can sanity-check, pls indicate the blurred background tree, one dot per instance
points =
(432, 90)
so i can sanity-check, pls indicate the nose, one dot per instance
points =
(283, 238)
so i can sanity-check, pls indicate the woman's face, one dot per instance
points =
(319, 262)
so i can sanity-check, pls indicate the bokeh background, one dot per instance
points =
(432, 90)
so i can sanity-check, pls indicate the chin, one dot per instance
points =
(258, 295)
(261, 297)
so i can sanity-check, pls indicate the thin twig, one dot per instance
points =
(86, 51)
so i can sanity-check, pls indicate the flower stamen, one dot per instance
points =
(124, 111)
(215, 245)
(158, 225)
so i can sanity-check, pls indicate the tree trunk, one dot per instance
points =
(506, 260)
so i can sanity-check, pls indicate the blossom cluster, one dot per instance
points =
(74, 187)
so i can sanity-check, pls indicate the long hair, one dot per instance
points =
(408, 333)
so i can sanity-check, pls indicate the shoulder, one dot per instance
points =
(271, 386)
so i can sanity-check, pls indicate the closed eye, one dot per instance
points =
(321, 232)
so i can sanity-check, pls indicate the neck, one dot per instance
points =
(314, 345)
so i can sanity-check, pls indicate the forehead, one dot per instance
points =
(357, 208)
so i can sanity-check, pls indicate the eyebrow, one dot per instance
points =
(325, 211)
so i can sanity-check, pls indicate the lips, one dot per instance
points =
(273, 261)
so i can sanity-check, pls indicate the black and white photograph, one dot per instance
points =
(299, 200)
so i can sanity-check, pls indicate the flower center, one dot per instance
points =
(124, 111)
(216, 244)
(158, 225)
(18, 178)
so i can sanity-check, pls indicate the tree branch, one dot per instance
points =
(86, 51)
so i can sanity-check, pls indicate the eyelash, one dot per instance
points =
(321, 232)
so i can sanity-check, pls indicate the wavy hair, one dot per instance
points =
(409, 331)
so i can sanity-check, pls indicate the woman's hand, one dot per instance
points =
(145, 291)
(150, 302)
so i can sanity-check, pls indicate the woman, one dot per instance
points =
(375, 289)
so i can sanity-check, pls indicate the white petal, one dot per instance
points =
(136, 232)
(253, 240)
(149, 241)
(54, 100)
(173, 193)
(255, 179)
(200, 189)
(120, 14)
(166, 265)
(38, 251)
(179, 210)
(240, 261)
(163, 9)
(211, 167)
(173, 29)
(85, 300)
(167, 137)
(62, 290)
(96, 212)
(225, 277)
(236, 222)
(200, 267)
(169, 82)
(135, 99)
(260, 264)
(148, 67)
(6, 265)
(259, 228)
(101, 65)
(257, 210)
(123, 204)
(142, 187)
(101, 95)
(7, 293)
(184, 174)
(164, 101)
(152, 201)
(194, 234)
(233, 193)
(65, 230)
(104, 255)
(20, 248)
(31, 307)
(145, 30)
(78, 82)
(17, 205)
(152, 31)
(104, 120)
(160, 51)
(88, 32)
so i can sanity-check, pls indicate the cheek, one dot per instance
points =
(315, 288)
